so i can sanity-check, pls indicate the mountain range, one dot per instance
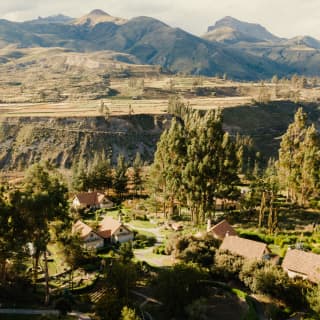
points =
(241, 50)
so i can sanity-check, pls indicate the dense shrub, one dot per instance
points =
(142, 241)
(285, 240)
(227, 265)
(313, 298)
(257, 237)
(261, 277)
(200, 250)
(178, 287)
(160, 250)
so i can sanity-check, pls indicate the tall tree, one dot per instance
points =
(195, 162)
(299, 160)
(137, 181)
(211, 168)
(80, 178)
(100, 175)
(168, 165)
(47, 202)
(120, 177)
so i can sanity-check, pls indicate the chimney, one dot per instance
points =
(208, 225)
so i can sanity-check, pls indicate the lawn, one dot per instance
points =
(57, 260)
(155, 260)
(142, 224)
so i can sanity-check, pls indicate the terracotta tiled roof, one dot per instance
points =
(110, 224)
(247, 248)
(304, 263)
(81, 228)
(222, 229)
(106, 234)
(88, 198)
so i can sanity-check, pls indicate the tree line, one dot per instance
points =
(102, 175)
(30, 217)
(195, 163)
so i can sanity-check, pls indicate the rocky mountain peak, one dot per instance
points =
(98, 16)
(244, 30)
(98, 12)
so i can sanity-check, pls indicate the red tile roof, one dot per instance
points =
(249, 249)
(108, 223)
(82, 229)
(88, 198)
(222, 229)
(303, 263)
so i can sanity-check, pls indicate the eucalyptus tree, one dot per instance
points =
(299, 160)
(195, 163)
(137, 180)
(211, 166)
(46, 201)
(120, 180)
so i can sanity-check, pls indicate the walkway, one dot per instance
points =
(76, 314)
(29, 312)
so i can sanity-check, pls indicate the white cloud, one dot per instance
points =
(285, 18)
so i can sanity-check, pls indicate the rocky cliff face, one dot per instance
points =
(64, 141)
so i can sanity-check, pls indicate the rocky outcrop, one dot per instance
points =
(64, 141)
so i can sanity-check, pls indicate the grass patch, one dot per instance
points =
(239, 293)
(277, 250)
(142, 224)
(146, 233)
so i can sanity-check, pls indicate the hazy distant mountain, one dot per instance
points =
(299, 55)
(60, 18)
(98, 16)
(150, 40)
(301, 41)
(240, 49)
(230, 29)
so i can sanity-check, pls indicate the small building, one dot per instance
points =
(302, 264)
(108, 231)
(221, 229)
(91, 239)
(115, 230)
(249, 249)
(177, 226)
(93, 200)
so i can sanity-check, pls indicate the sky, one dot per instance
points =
(284, 18)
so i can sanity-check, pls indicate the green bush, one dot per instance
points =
(257, 237)
(227, 265)
(313, 298)
(316, 250)
(285, 240)
(141, 217)
(160, 250)
(142, 241)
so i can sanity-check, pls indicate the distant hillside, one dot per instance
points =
(300, 55)
(57, 74)
(149, 40)
(265, 124)
(242, 50)
(97, 16)
(235, 30)
(63, 141)
(303, 41)
(60, 18)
